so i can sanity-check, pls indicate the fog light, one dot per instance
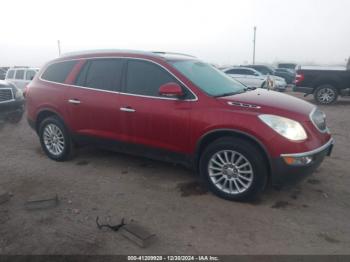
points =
(298, 161)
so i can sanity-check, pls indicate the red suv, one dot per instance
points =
(177, 108)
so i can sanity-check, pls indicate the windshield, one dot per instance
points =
(209, 79)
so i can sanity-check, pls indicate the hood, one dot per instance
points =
(271, 102)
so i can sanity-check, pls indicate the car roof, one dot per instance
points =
(23, 68)
(126, 53)
(240, 67)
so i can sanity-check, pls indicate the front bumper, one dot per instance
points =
(11, 108)
(283, 173)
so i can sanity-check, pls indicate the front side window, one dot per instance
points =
(145, 78)
(58, 72)
(234, 71)
(30, 74)
(103, 74)
(209, 79)
(10, 74)
(19, 74)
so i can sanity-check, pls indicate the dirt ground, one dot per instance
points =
(310, 218)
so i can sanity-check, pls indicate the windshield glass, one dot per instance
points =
(211, 80)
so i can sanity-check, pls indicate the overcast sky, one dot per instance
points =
(218, 31)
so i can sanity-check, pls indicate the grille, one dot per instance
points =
(319, 120)
(6, 94)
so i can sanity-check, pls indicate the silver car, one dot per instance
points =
(253, 78)
(21, 76)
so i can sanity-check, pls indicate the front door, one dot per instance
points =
(150, 119)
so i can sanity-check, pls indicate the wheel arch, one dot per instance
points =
(211, 136)
(44, 113)
(326, 81)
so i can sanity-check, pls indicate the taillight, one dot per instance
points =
(299, 77)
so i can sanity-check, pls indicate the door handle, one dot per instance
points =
(74, 101)
(127, 109)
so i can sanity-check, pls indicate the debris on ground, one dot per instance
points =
(114, 228)
(137, 234)
(75, 211)
(82, 163)
(192, 188)
(44, 202)
(4, 196)
(328, 238)
(280, 204)
(313, 181)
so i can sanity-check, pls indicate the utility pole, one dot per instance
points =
(254, 41)
(59, 47)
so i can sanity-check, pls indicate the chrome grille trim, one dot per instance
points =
(243, 105)
(6, 95)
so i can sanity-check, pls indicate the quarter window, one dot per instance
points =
(19, 74)
(30, 74)
(104, 74)
(10, 74)
(58, 72)
(145, 78)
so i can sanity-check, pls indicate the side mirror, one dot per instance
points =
(171, 90)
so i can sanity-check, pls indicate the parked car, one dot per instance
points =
(326, 84)
(11, 102)
(291, 66)
(2, 73)
(252, 78)
(21, 76)
(267, 70)
(263, 69)
(179, 109)
(285, 73)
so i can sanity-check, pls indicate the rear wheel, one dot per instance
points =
(326, 94)
(234, 169)
(55, 139)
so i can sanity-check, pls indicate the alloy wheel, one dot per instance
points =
(326, 95)
(230, 171)
(53, 139)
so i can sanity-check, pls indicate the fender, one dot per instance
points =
(232, 131)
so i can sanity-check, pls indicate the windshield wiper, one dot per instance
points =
(249, 88)
(230, 94)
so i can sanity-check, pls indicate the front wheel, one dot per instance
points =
(234, 169)
(55, 139)
(326, 94)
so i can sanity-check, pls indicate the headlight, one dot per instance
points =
(284, 126)
(18, 93)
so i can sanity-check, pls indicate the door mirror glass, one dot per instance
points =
(171, 90)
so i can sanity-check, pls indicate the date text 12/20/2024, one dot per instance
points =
(173, 258)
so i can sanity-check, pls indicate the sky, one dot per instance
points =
(217, 31)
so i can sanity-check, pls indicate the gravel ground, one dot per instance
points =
(310, 218)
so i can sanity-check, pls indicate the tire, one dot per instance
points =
(247, 156)
(61, 148)
(325, 94)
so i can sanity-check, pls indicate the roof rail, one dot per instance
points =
(170, 53)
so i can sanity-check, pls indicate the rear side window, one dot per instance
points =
(30, 74)
(10, 74)
(19, 74)
(144, 78)
(103, 74)
(58, 72)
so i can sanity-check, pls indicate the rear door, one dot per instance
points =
(93, 100)
(150, 119)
